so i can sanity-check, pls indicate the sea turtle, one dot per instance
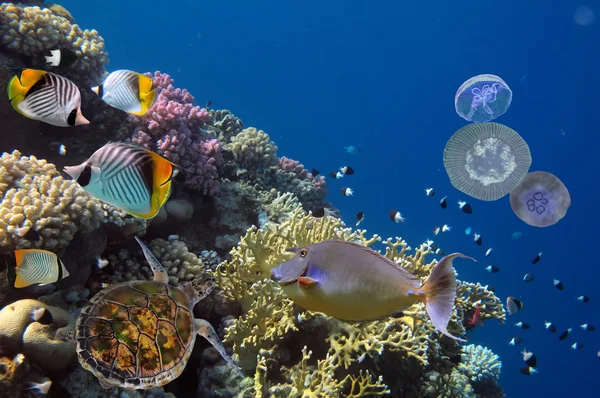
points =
(140, 334)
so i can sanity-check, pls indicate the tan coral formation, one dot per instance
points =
(35, 197)
(253, 149)
(31, 30)
(270, 320)
(48, 345)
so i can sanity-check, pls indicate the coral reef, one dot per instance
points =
(479, 363)
(252, 149)
(41, 209)
(46, 344)
(270, 322)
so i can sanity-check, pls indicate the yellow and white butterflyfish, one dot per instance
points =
(47, 97)
(128, 177)
(128, 91)
(38, 266)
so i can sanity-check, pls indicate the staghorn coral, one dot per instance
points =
(36, 199)
(270, 322)
(252, 149)
(30, 31)
(181, 265)
(47, 345)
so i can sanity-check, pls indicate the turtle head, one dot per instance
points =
(200, 287)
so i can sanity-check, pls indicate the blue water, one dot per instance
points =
(318, 76)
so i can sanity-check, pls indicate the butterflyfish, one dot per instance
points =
(354, 283)
(128, 91)
(46, 97)
(126, 176)
(36, 266)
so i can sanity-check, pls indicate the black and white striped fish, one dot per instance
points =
(126, 176)
(128, 91)
(38, 266)
(47, 97)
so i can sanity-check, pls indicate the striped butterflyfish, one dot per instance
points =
(126, 176)
(128, 91)
(38, 266)
(47, 97)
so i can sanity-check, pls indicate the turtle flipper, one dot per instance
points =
(160, 274)
(205, 329)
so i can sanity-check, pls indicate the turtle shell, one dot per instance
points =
(136, 335)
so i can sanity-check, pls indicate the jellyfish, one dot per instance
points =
(486, 160)
(482, 98)
(541, 199)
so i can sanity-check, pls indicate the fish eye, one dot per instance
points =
(302, 253)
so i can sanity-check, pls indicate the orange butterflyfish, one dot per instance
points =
(38, 266)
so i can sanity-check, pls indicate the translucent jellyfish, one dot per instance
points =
(486, 160)
(482, 98)
(584, 16)
(541, 199)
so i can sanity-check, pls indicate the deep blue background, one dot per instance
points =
(320, 75)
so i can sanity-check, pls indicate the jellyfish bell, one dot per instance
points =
(541, 199)
(482, 98)
(486, 160)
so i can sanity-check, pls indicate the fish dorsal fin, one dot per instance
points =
(386, 260)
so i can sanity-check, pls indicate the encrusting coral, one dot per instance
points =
(347, 363)
(38, 202)
(48, 345)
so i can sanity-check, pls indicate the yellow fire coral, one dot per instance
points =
(271, 322)
(36, 198)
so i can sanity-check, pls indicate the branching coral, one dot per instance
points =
(479, 363)
(36, 199)
(471, 295)
(30, 31)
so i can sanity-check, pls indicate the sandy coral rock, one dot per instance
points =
(31, 31)
(37, 199)
(47, 345)
(253, 149)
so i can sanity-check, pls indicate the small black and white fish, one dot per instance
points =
(444, 203)
(395, 216)
(42, 387)
(528, 278)
(537, 258)
(550, 326)
(41, 315)
(515, 341)
(446, 228)
(347, 191)
(128, 91)
(513, 305)
(565, 334)
(347, 170)
(436, 230)
(128, 177)
(46, 97)
(491, 289)
(583, 299)
(101, 263)
(62, 57)
(360, 216)
(492, 268)
(558, 284)
(430, 192)
(588, 328)
(465, 207)
(522, 325)
(528, 370)
(477, 239)
(488, 252)
(315, 172)
(336, 174)
(529, 358)
(577, 346)
(62, 150)
(440, 252)
(38, 266)
(208, 104)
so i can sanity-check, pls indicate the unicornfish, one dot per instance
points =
(354, 283)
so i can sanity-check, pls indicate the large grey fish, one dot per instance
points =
(354, 283)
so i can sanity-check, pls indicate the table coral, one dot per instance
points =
(271, 322)
(47, 345)
(30, 31)
(38, 201)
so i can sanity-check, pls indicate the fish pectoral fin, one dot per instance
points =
(306, 281)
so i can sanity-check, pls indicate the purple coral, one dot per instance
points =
(293, 166)
(173, 128)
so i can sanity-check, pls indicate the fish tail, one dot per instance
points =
(147, 93)
(440, 293)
